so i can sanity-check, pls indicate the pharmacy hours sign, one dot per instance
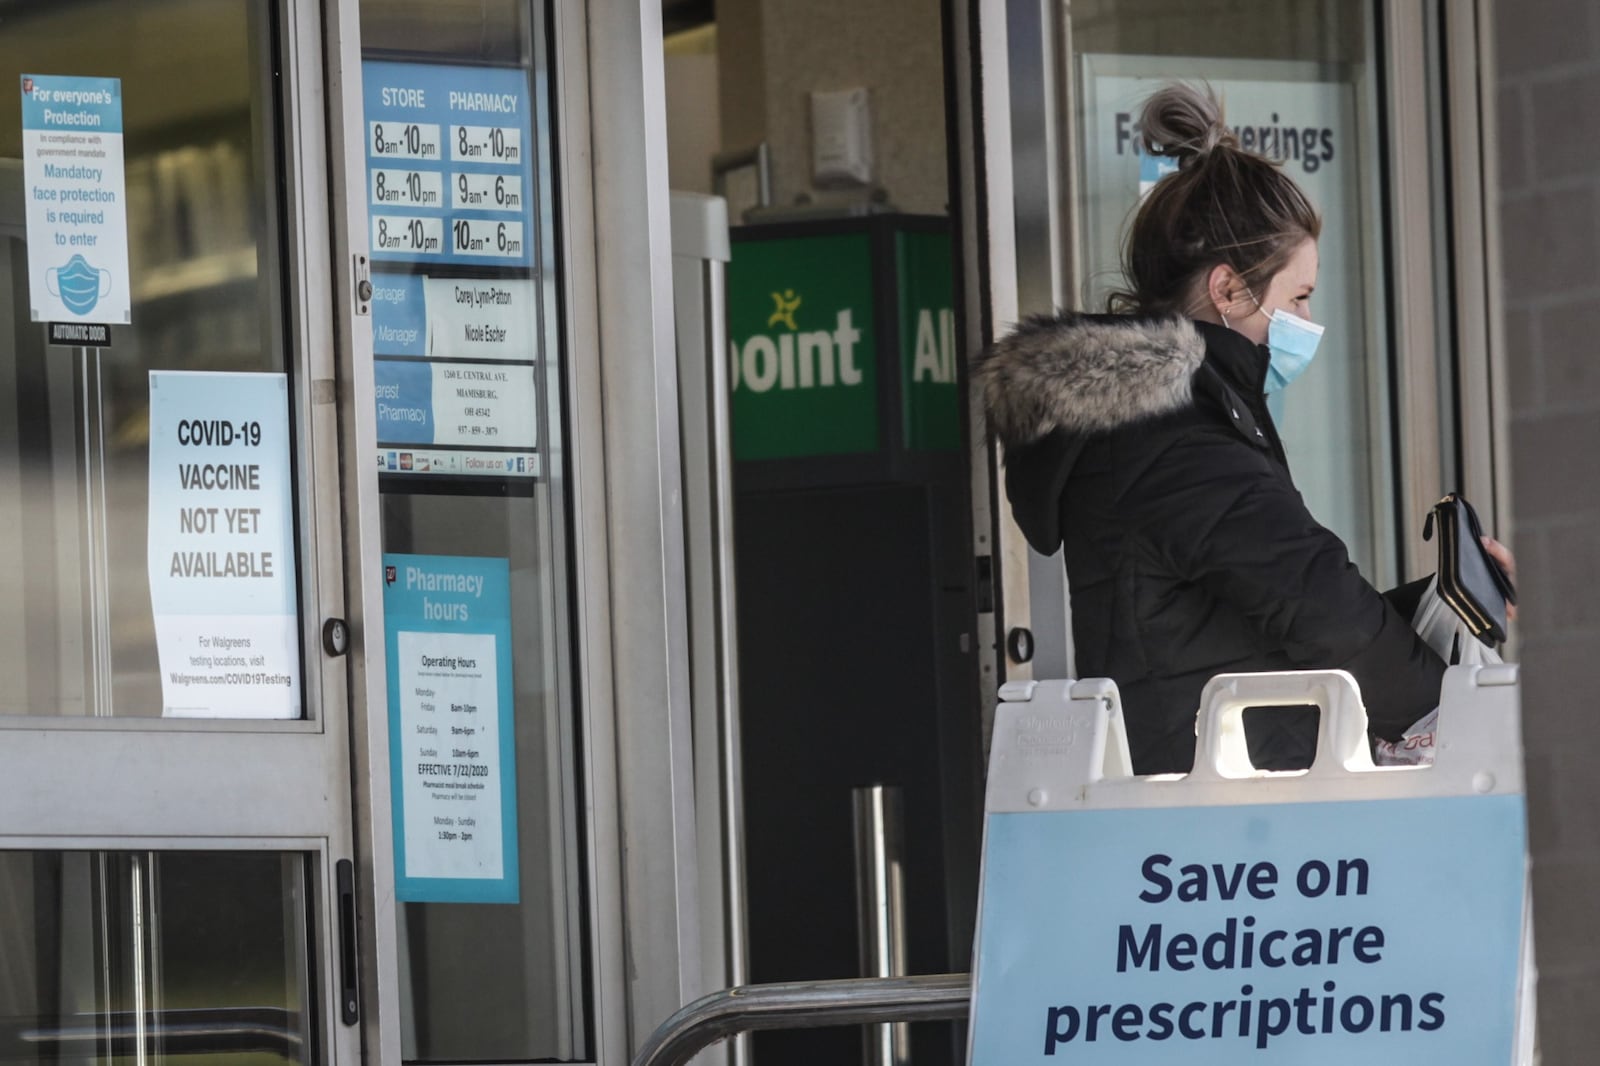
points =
(452, 741)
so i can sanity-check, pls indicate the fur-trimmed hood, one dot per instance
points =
(1087, 373)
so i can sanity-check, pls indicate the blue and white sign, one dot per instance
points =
(221, 548)
(76, 213)
(454, 318)
(1313, 933)
(470, 404)
(399, 315)
(449, 178)
(452, 741)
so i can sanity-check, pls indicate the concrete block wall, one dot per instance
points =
(1548, 102)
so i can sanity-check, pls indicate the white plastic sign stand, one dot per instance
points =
(1344, 914)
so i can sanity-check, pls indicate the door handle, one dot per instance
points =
(349, 960)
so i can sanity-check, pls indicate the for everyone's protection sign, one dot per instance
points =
(452, 744)
(1312, 933)
(221, 545)
(76, 212)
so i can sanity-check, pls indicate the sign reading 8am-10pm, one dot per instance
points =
(803, 347)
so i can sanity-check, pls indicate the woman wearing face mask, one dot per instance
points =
(1140, 443)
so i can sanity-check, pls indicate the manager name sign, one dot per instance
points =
(221, 545)
(1317, 933)
(76, 195)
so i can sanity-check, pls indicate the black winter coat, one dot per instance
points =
(1143, 449)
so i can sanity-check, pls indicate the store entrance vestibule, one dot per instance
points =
(406, 252)
(857, 594)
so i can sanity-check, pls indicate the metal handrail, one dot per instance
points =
(804, 1005)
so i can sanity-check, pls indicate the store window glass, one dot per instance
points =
(147, 513)
(137, 956)
(467, 359)
(1299, 82)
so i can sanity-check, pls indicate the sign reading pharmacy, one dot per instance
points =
(1314, 933)
(77, 219)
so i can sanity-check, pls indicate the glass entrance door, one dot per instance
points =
(174, 768)
(1300, 83)
(450, 193)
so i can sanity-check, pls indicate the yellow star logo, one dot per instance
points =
(787, 304)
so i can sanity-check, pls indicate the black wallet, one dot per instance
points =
(1470, 580)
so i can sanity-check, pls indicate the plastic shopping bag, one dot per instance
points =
(1443, 631)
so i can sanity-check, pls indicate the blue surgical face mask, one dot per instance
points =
(1292, 343)
(79, 285)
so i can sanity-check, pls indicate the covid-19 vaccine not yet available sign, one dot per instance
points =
(221, 545)
(76, 194)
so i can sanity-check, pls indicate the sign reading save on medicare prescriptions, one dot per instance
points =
(452, 743)
(221, 545)
(76, 199)
(1313, 933)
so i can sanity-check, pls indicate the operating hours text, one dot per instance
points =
(488, 192)
(486, 144)
(400, 234)
(407, 188)
(472, 237)
(405, 140)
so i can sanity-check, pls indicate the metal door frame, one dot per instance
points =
(624, 365)
(990, 298)
(75, 784)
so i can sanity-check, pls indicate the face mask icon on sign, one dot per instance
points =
(78, 284)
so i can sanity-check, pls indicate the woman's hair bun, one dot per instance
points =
(1183, 122)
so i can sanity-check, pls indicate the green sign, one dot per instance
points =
(931, 406)
(803, 347)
